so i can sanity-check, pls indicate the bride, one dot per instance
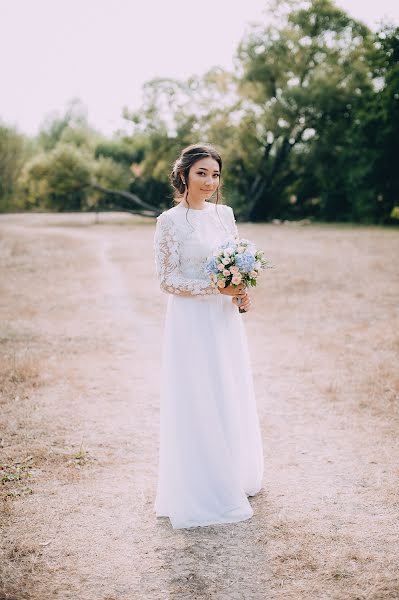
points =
(210, 451)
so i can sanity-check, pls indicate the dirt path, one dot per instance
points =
(81, 320)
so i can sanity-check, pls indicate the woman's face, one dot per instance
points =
(204, 177)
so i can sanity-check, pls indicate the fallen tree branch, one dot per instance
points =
(147, 209)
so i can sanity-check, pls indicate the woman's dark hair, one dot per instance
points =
(182, 165)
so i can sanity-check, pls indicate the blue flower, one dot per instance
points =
(211, 265)
(245, 262)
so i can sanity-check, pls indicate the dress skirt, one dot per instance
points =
(210, 452)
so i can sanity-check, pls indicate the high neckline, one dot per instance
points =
(206, 207)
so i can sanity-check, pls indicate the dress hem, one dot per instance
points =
(220, 521)
(211, 522)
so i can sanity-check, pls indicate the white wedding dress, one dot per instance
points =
(210, 453)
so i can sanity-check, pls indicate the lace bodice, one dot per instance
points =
(182, 246)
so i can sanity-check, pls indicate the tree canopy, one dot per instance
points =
(306, 122)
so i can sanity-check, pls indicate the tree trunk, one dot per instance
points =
(147, 210)
(265, 181)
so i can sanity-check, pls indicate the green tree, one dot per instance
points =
(55, 126)
(13, 151)
(57, 180)
(298, 80)
(107, 174)
(372, 174)
(123, 151)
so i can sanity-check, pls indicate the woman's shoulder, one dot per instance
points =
(225, 207)
(167, 214)
(227, 211)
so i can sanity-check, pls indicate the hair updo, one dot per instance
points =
(190, 155)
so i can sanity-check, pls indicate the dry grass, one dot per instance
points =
(19, 376)
(28, 454)
(330, 565)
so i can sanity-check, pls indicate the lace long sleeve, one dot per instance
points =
(167, 263)
(232, 225)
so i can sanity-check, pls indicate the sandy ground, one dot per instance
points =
(81, 323)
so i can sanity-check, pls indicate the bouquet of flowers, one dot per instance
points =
(236, 262)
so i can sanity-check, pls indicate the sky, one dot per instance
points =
(103, 51)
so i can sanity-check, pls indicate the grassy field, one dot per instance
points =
(81, 323)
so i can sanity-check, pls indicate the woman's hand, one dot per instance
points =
(245, 302)
(238, 291)
(234, 290)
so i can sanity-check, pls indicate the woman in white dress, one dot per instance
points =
(210, 453)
